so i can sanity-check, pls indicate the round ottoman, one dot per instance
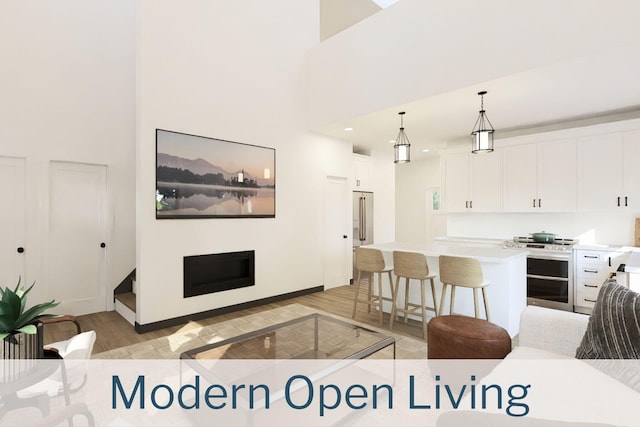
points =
(462, 337)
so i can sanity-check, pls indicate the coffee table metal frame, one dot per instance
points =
(385, 341)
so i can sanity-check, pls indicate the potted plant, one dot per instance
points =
(19, 328)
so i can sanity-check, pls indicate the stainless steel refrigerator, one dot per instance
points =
(362, 222)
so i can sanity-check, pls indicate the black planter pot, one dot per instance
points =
(23, 346)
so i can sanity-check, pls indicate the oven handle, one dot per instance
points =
(555, 279)
(556, 257)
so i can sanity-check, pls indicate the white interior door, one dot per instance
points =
(336, 240)
(77, 231)
(12, 221)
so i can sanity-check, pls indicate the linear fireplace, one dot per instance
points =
(204, 274)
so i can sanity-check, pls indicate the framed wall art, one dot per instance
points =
(201, 177)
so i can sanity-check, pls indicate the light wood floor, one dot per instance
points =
(113, 331)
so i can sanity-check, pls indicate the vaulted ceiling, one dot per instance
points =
(573, 86)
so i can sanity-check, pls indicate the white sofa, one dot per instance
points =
(564, 391)
(547, 333)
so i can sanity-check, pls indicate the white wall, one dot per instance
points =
(383, 183)
(414, 221)
(67, 85)
(233, 70)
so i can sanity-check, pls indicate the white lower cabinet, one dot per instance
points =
(592, 268)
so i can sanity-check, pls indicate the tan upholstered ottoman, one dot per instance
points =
(461, 337)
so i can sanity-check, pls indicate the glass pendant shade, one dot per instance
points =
(402, 147)
(482, 135)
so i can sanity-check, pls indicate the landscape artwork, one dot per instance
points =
(200, 177)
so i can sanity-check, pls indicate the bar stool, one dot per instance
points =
(371, 261)
(413, 265)
(465, 272)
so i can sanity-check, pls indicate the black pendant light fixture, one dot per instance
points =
(482, 135)
(402, 146)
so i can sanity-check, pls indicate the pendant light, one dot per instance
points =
(402, 146)
(482, 135)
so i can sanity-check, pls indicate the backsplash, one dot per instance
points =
(590, 228)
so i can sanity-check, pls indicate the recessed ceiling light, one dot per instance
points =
(348, 129)
(426, 150)
(393, 141)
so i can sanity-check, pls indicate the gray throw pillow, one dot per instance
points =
(613, 331)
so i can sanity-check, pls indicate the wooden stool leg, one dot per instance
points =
(442, 298)
(486, 304)
(433, 295)
(380, 297)
(453, 298)
(475, 301)
(394, 291)
(395, 301)
(424, 308)
(406, 299)
(370, 292)
(355, 297)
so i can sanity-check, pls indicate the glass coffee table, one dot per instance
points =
(307, 350)
(314, 336)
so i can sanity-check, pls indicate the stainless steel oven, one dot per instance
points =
(549, 272)
(550, 280)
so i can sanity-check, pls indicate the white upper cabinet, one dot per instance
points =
(472, 182)
(520, 178)
(540, 177)
(631, 169)
(362, 173)
(608, 171)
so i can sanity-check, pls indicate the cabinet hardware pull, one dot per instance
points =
(534, 203)
(626, 200)
(618, 200)
(466, 204)
(589, 300)
(590, 271)
(609, 261)
(539, 203)
(591, 256)
(471, 204)
(590, 286)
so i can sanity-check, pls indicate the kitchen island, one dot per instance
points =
(505, 270)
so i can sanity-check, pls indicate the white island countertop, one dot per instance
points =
(483, 253)
(504, 268)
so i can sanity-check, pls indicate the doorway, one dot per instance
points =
(12, 222)
(76, 249)
(337, 245)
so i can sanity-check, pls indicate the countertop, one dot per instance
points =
(483, 253)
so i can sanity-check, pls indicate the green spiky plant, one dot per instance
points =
(14, 318)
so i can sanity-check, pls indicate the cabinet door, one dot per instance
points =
(486, 182)
(599, 172)
(557, 176)
(631, 170)
(520, 178)
(456, 182)
(362, 173)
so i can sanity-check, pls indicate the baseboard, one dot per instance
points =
(154, 326)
